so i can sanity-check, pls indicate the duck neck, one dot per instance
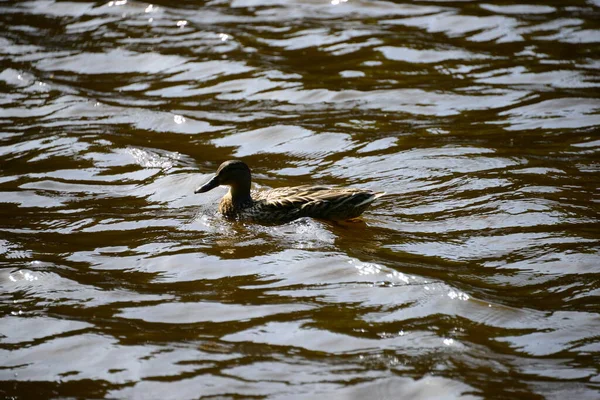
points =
(240, 194)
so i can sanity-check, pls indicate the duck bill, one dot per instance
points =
(210, 185)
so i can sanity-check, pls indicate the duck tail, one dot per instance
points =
(371, 199)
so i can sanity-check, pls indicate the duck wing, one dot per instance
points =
(317, 202)
(299, 192)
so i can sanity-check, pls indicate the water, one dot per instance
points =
(477, 277)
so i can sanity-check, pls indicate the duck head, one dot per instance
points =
(235, 174)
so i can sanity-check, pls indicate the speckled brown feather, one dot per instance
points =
(289, 203)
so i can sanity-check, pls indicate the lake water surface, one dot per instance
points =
(478, 276)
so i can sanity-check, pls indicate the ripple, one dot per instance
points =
(408, 170)
(481, 29)
(19, 329)
(315, 38)
(555, 114)
(286, 139)
(426, 56)
(567, 330)
(205, 71)
(518, 9)
(185, 313)
(103, 63)
(47, 288)
(496, 247)
(557, 79)
(207, 384)
(133, 362)
(296, 335)
(48, 7)
(377, 9)
(425, 388)
(411, 101)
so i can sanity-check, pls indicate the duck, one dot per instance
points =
(285, 204)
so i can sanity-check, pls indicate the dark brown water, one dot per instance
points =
(477, 277)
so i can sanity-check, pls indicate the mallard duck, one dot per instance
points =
(284, 204)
